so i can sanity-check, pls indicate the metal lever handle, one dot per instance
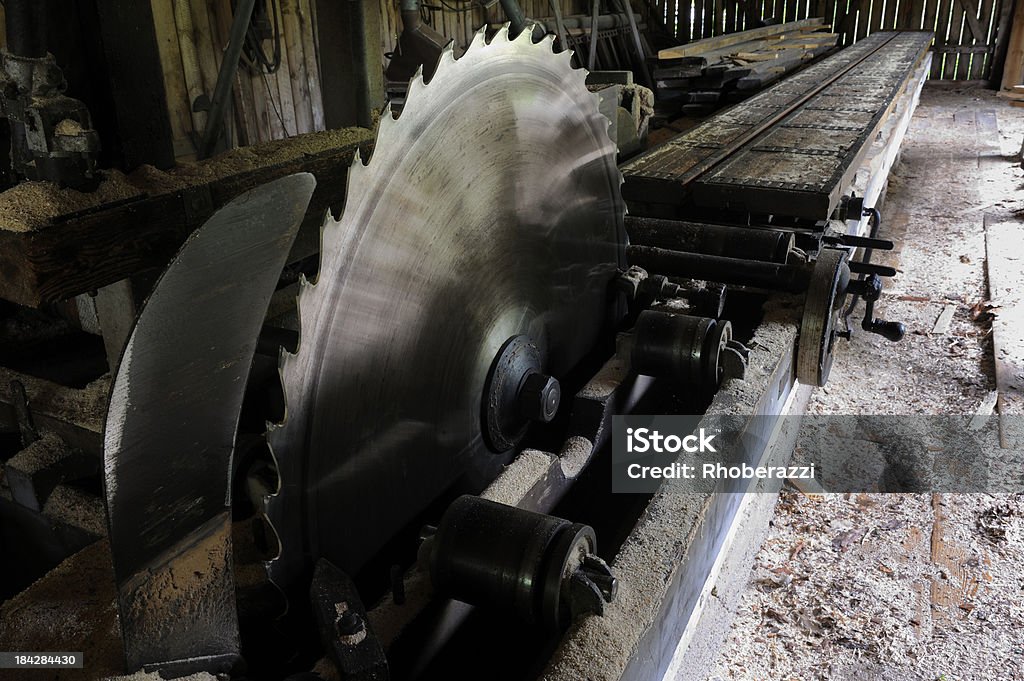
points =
(870, 289)
(891, 331)
(868, 268)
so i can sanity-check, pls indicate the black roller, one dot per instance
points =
(541, 567)
(763, 245)
(678, 347)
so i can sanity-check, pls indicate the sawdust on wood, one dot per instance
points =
(72, 608)
(31, 205)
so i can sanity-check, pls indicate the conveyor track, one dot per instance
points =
(791, 149)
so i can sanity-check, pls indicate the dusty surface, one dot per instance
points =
(31, 205)
(911, 586)
(72, 608)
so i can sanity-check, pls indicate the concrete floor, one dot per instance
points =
(907, 586)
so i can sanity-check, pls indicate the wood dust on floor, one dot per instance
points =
(907, 586)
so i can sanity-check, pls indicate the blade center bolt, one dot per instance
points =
(539, 397)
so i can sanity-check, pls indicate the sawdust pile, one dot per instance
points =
(912, 586)
(72, 608)
(31, 205)
(852, 586)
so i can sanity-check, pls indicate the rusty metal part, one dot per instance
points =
(344, 629)
(490, 209)
(170, 430)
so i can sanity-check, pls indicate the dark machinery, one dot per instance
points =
(482, 300)
(51, 134)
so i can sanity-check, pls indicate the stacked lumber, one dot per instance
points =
(699, 77)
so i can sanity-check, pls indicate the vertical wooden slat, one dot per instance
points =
(307, 28)
(876, 8)
(913, 20)
(943, 10)
(190, 61)
(282, 80)
(863, 17)
(960, 34)
(291, 43)
(986, 17)
(790, 10)
(692, 26)
(173, 73)
(982, 67)
(828, 11)
(209, 57)
(889, 17)
(729, 22)
(220, 27)
(931, 14)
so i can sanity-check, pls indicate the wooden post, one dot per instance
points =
(1012, 66)
(352, 75)
(137, 83)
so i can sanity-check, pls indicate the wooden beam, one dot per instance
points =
(1013, 69)
(83, 252)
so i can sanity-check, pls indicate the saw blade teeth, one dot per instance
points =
(479, 39)
(416, 86)
(447, 57)
(525, 35)
(340, 239)
(502, 35)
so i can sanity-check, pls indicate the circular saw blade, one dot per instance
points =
(490, 208)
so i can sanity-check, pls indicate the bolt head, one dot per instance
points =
(539, 397)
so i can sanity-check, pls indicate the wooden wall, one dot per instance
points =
(192, 35)
(461, 25)
(966, 31)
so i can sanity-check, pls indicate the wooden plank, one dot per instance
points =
(944, 320)
(970, 9)
(209, 56)
(956, 64)
(86, 252)
(282, 80)
(889, 18)
(790, 10)
(829, 11)
(304, 14)
(174, 80)
(980, 65)
(915, 16)
(135, 68)
(189, 62)
(943, 10)
(1005, 267)
(291, 38)
(718, 42)
(1013, 68)
(873, 24)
